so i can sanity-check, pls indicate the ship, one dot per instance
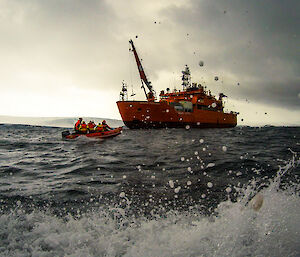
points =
(191, 107)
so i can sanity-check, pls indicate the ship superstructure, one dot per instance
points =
(192, 106)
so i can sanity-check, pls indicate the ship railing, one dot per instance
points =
(231, 112)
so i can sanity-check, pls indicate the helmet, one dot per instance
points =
(80, 118)
(104, 122)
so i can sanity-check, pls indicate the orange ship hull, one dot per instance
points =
(144, 114)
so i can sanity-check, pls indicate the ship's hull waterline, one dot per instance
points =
(144, 114)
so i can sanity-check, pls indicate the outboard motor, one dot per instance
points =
(65, 133)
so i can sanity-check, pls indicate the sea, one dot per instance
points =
(164, 192)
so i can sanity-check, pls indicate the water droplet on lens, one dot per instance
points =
(201, 141)
(177, 189)
(201, 63)
(224, 148)
(187, 127)
(209, 184)
(122, 194)
(228, 189)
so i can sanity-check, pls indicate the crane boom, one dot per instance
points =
(150, 95)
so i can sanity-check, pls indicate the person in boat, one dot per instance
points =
(83, 128)
(77, 125)
(99, 128)
(91, 126)
(105, 126)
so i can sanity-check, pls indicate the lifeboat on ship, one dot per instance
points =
(191, 107)
(104, 134)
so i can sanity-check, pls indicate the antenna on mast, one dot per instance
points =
(123, 93)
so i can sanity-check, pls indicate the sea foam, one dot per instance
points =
(234, 229)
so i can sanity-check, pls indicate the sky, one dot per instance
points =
(66, 58)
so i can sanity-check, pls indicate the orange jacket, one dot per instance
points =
(83, 127)
(91, 125)
(77, 124)
(99, 128)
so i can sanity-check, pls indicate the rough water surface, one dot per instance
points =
(167, 192)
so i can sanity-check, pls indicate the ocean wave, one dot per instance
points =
(235, 228)
(167, 192)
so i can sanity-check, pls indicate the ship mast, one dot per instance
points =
(150, 96)
(186, 78)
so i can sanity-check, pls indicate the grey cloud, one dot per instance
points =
(257, 41)
(72, 39)
(284, 95)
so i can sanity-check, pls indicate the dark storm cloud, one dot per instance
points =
(256, 41)
(284, 95)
